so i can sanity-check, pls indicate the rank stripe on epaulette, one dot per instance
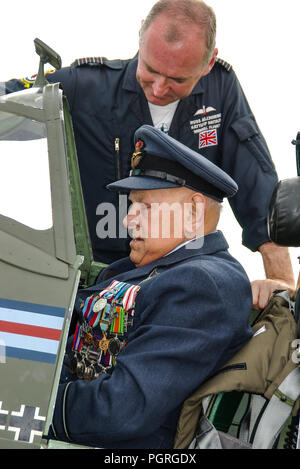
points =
(89, 60)
(225, 64)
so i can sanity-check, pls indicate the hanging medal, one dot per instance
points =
(111, 311)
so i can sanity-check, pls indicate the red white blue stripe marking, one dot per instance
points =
(30, 331)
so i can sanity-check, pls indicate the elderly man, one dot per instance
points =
(177, 84)
(157, 324)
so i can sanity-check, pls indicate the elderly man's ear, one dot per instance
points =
(194, 221)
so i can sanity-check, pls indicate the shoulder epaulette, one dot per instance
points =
(226, 65)
(116, 64)
(89, 60)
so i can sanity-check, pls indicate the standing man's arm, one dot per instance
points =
(279, 273)
(246, 157)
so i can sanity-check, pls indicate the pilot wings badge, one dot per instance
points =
(204, 110)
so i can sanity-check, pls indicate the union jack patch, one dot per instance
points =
(208, 138)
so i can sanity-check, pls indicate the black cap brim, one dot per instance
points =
(140, 183)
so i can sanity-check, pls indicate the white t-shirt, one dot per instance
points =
(162, 115)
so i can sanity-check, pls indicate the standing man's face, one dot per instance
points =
(168, 71)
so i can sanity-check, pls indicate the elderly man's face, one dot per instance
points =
(158, 221)
(168, 71)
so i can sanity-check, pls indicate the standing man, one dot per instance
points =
(177, 84)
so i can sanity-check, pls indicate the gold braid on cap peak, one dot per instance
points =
(138, 154)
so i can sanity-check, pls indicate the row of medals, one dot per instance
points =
(86, 362)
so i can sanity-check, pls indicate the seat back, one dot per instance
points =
(259, 368)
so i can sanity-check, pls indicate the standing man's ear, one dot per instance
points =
(142, 22)
(211, 63)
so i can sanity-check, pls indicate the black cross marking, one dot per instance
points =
(26, 423)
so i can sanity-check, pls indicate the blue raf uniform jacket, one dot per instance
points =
(191, 316)
(108, 105)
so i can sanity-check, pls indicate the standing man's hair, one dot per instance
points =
(185, 11)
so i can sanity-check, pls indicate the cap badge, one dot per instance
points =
(138, 154)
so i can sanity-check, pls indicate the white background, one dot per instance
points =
(260, 38)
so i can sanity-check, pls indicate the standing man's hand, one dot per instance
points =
(262, 291)
(279, 273)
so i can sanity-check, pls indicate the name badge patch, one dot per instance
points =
(206, 124)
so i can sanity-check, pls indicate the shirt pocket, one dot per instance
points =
(249, 134)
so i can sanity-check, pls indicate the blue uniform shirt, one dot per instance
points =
(191, 316)
(108, 105)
